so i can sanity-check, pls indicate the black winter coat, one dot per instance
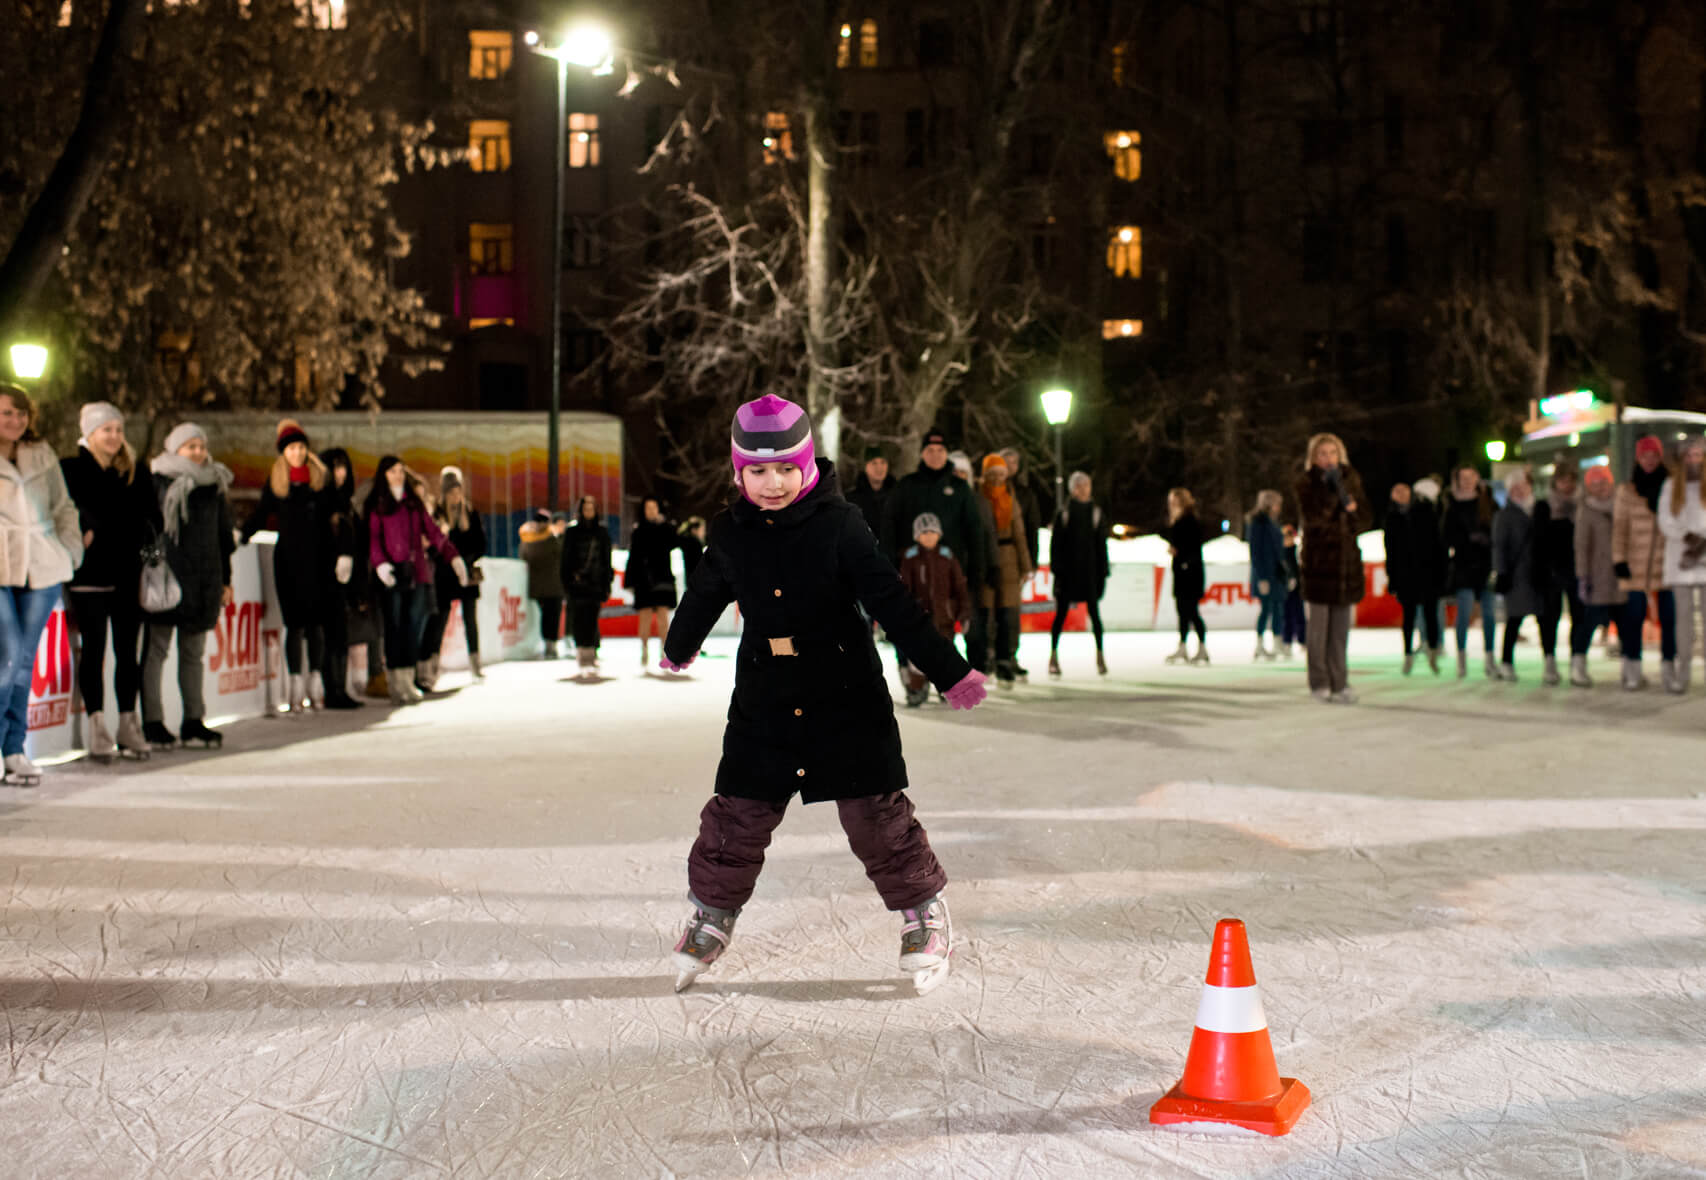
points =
(470, 546)
(649, 575)
(1468, 535)
(1556, 551)
(1190, 580)
(200, 558)
(873, 503)
(1078, 553)
(1415, 553)
(121, 513)
(587, 571)
(956, 505)
(305, 558)
(819, 722)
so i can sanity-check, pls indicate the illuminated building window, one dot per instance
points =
(491, 248)
(778, 138)
(1124, 151)
(488, 141)
(1119, 64)
(868, 44)
(1121, 329)
(583, 141)
(322, 14)
(844, 48)
(490, 52)
(1125, 251)
(65, 15)
(474, 325)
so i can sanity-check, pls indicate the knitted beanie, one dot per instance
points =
(774, 430)
(934, 438)
(992, 461)
(182, 433)
(925, 522)
(1647, 444)
(289, 431)
(95, 415)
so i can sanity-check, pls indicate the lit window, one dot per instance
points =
(322, 14)
(491, 248)
(1121, 329)
(844, 48)
(489, 53)
(474, 325)
(1124, 151)
(778, 138)
(65, 15)
(488, 143)
(868, 44)
(1125, 252)
(583, 141)
(1120, 64)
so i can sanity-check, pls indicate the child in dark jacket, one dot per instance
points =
(932, 574)
(811, 712)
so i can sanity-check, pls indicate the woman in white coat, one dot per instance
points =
(41, 546)
(1682, 521)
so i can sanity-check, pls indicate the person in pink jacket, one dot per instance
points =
(400, 529)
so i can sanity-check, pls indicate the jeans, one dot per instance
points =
(1635, 618)
(1329, 641)
(1060, 612)
(191, 670)
(885, 835)
(405, 612)
(93, 610)
(1296, 624)
(1271, 611)
(1427, 613)
(1489, 617)
(23, 616)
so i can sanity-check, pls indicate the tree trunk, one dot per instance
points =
(60, 203)
(823, 176)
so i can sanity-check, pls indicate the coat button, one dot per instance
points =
(799, 712)
(800, 773)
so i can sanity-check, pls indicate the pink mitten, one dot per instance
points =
(669, 667)
(968, 693)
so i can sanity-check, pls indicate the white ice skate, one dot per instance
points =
(21, 772)
(701, 944)
(926, 944)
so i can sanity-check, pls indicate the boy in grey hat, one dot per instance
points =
(933, 576)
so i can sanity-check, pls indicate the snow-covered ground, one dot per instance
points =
(433, 942)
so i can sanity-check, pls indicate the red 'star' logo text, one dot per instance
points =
(50, 678)
(237, 647)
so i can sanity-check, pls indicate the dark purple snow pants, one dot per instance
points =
(882, 830)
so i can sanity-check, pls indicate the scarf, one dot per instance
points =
(1000, 499)
(300, 474)
(185, 478)
(1648, 484)
(1603, 504)
(1563, 507)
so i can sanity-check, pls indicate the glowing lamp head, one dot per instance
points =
(1496, 451)
(531, 38)
(29, 361)
(1057, 406)
(586, 45)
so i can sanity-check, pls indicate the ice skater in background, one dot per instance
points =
(810, 712)
(932, 575)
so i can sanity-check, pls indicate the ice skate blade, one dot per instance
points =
(927, 980)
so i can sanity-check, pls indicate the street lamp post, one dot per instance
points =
(590, 47)
(1057, 408)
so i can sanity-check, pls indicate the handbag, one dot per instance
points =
(158, 590)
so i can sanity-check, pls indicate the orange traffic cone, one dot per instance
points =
(1230, 1075)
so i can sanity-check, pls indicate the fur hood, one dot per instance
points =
(533, 530)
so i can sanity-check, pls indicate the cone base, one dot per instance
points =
(1269, 1116)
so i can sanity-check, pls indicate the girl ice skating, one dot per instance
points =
(811, 712)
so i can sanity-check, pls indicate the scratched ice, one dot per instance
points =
(435, 943)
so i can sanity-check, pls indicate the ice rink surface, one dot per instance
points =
(434, 942)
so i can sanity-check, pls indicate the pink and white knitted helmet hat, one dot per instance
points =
(774, 430)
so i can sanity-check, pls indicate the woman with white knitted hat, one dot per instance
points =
(117, 511)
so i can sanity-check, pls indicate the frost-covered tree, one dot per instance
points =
(237, 248)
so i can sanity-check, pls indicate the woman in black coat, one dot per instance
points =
(587, 575)
(1078, 562)
(117, 511)
(348, 536)
(811, 712)
(1184, 541)
(461, 523)
(649, 576)
(195, 511)
(294, 502)
(1467, 529)
(1415, 570)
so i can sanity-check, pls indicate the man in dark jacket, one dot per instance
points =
(1415, 569)
(934, 488)
(871, 491)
